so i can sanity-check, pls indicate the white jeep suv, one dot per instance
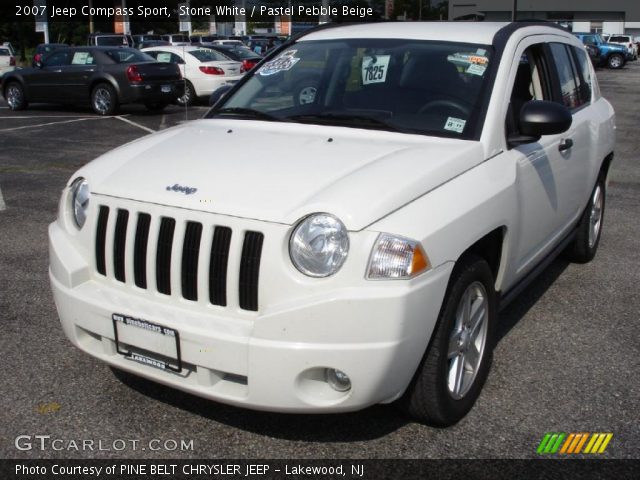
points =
(360, 252)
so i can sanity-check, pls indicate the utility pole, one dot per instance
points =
(514, 11)
(90, 16)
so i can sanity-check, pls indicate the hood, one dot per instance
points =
(280, 172)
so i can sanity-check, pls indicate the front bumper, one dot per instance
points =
(274, 359)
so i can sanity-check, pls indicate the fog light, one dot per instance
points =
(337, 379)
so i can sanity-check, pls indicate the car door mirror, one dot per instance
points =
(538, 118)
(218, 94)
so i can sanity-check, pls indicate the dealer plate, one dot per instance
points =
(147, 342)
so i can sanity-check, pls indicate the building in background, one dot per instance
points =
(602, 16)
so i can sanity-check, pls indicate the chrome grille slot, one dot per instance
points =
(101, 240)
(190, 255)
(119, 243)
(218, 266)
(163, 256)
(140, 250)
(250, 270)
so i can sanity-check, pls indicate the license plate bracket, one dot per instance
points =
(147, 342)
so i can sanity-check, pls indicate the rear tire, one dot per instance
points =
(456, 364)
(15, 96)
(589, 229)
(615, 61)
(189, 97)
(104, 100)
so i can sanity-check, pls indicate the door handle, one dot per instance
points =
(565, 144)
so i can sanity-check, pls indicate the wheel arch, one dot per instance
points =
(14, 77)
(490, 248)
(606, 165)
(105, 79)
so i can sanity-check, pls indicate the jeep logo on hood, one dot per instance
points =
(180, 188)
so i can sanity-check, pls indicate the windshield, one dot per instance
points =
(411, 86)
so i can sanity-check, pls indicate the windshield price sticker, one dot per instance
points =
(455, 124)
(476, 69)
(284, 62)
(374, 69)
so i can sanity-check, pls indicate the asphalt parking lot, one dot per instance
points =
(567, 359)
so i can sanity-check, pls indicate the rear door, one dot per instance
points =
(77, 75)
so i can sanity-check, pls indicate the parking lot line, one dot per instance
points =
(46, 116)
(3, 206)
(126, 120)
(51, 123)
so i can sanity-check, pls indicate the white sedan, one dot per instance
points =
(204, 70)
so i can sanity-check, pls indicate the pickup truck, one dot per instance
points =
(612, 55)
(362, 253)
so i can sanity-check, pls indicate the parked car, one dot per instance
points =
(109, 40)
(7, 61)
(203, 69)
(611, 55)
(43, 49)
(627, 42)
(237, 43)
(177, 39)
(241, 54)
(594, 55)
(104, 77)
(11, 48)
(197, 39)
(152, 43)
(144, 38)
(363, 253)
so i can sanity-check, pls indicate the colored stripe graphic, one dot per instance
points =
(573, 443)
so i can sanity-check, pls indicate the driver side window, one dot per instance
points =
(531, 83)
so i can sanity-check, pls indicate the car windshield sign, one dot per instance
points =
(412, 86)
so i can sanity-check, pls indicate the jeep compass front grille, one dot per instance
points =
(133, 262)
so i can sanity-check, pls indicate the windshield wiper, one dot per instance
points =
(248, 113)
(347, 120)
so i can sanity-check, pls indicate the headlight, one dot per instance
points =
(80, 200)
(396, 257)
(319, 245)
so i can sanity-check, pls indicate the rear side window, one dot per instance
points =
(58, 58)
(584, 77)
(4, 52)
(567, 76)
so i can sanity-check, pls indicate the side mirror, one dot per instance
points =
(538, 118)
(216, 95)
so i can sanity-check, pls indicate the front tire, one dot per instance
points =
(15, 96)
(589, 230)
(615, 61)
(457, 361)
(104, 100)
